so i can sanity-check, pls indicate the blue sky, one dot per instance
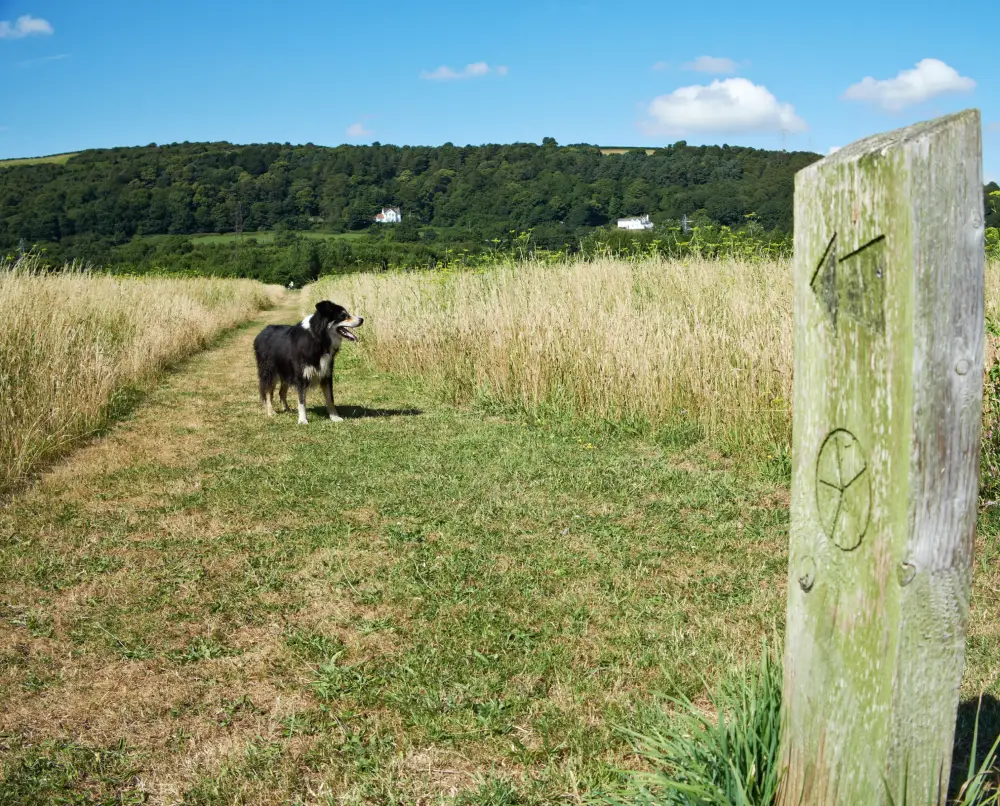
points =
(804, 76)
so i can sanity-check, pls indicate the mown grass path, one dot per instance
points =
(420, 604)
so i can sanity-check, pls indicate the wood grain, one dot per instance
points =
(889, 330)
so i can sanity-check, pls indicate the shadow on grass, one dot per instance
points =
(361, 412)
(965, 729)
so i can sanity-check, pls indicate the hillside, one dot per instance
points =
(57, 159)
(190, 188)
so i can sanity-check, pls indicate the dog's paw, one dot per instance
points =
(335, 419)
(303, 422)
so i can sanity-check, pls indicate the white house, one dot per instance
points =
(389, 215)
(635, 222)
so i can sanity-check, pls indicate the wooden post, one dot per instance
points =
(889, 329)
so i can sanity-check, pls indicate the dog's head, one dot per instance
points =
(336, 318)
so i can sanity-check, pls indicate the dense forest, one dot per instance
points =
(138, 207)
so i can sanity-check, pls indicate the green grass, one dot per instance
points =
(728, 758)
(268, 237)
(731, 756)
(57, 159)
(422, 601)
(63, 772)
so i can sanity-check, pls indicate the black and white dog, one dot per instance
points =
(302, 354)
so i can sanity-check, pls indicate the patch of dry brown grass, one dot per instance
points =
(75, 344)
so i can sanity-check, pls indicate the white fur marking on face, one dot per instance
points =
(302, 414)
(307, 321)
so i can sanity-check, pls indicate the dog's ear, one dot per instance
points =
(323, 316)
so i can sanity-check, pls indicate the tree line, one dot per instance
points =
(189, 188)
(103, 205)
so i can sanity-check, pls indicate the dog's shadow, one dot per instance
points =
(362, 413)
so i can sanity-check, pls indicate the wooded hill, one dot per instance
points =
(191, 188)
(136, 209)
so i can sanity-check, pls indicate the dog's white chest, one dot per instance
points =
(323, 372)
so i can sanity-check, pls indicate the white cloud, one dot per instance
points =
(441, 74)
(44, 60)
(833, 150)
(712, 64)
(358, 130)
(993, 127)
(661, 65)
(930, 78)
(474, 70)
(25, 25)
(729, 105)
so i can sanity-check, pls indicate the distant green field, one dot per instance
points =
(625, 149)
(58, 159)
(268, 237)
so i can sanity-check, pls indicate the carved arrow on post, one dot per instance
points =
(853, 285)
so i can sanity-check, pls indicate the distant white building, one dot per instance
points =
(635, 222)
(389, 215)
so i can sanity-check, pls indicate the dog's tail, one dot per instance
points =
(265, 371)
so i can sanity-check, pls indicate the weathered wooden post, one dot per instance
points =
(889, 336)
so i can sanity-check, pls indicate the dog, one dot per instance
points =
(301, 355)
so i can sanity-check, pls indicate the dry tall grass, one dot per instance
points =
(992, 295)
(650, 341)
(74, 343)
(653, 341)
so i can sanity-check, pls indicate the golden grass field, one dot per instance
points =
(653, 341)
(425, 603)
(75, 344)
(55, 159)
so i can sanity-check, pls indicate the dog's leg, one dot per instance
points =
(266, 389)
(283, 394)
(302, 403)
(328, 394)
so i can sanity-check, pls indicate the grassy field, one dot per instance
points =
(268, 237)
(57, 159)
(431, 602)
(648, 344)
(422, 604)
(76, 347)
(626, 149)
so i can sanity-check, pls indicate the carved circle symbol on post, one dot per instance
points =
(843, 490)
